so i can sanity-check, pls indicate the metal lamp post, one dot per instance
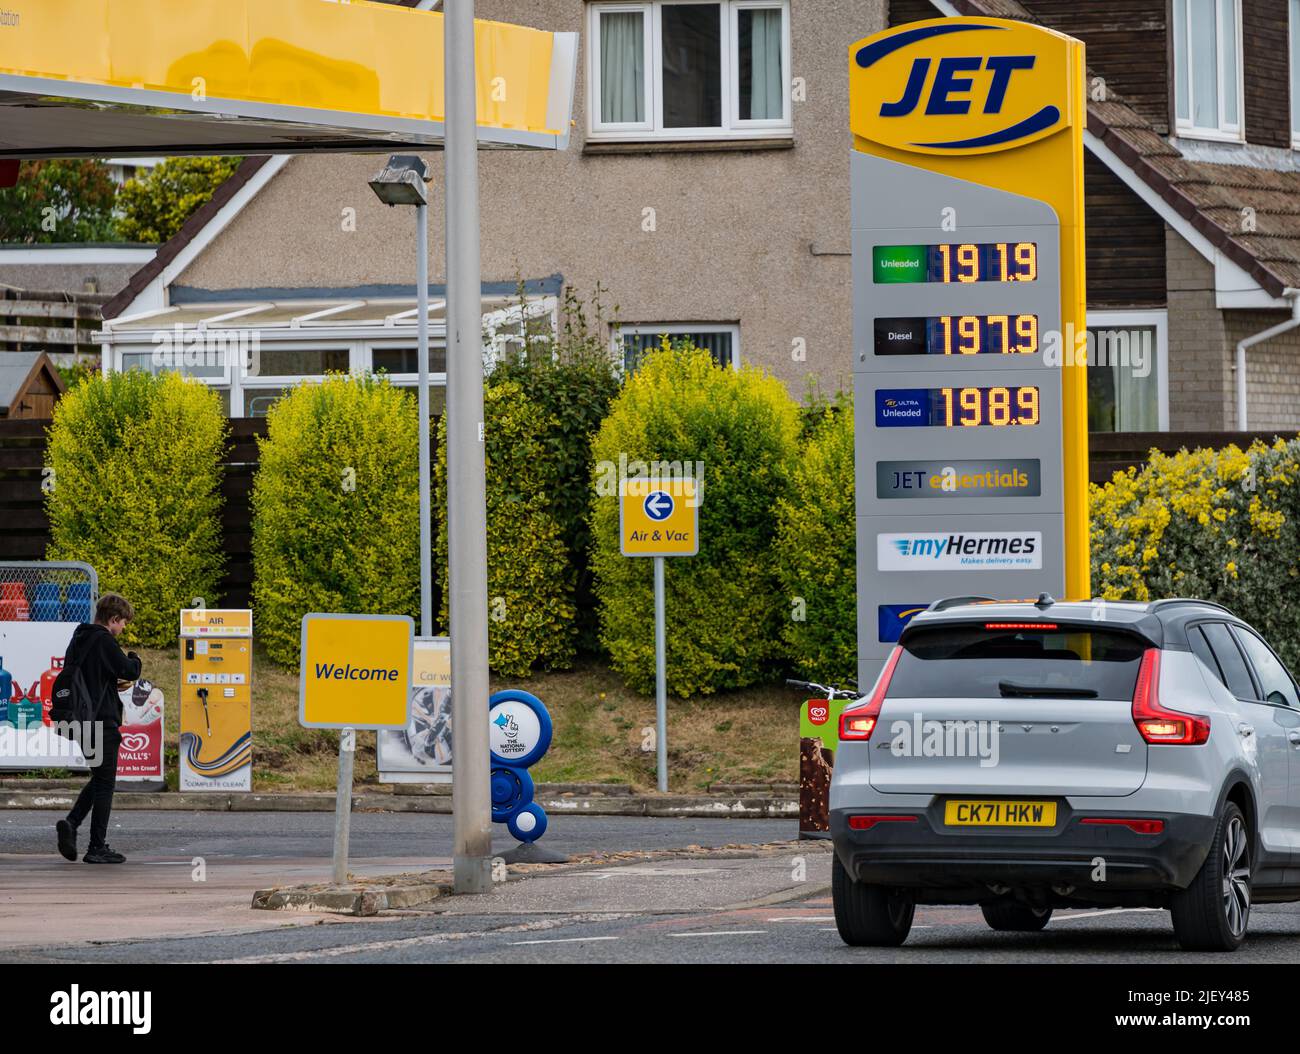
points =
(402, 183)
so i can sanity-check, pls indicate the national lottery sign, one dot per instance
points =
(966, 177)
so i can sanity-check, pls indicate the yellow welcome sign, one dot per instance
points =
(356, 671)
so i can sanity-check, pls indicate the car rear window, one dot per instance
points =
(972, 661)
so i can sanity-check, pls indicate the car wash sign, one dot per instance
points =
(968, 294)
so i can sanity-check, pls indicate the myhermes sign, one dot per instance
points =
(965, 551)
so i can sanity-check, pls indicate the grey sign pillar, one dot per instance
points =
(997, 528)
(466, 483)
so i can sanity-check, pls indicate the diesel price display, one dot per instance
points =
(961, 262)
(957, 335)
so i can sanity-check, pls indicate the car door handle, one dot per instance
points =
(1245, 730)
(1294, 737)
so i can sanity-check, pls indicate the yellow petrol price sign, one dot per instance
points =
(970, 336)
(659, 517)
(356, 671)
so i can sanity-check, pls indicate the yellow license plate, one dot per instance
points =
(1000, 814)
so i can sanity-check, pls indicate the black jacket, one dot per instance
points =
(102, 664)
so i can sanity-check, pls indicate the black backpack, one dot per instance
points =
(72, 699)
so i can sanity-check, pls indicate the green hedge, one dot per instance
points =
(136, 492)
(336, 521)
(530, 580)
(572, 379)
(725, 607)
(1221, 525)
(816, 549)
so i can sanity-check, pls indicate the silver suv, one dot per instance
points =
(1029, 755)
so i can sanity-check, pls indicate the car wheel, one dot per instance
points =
(1212, 913)
(1014, 917)
(867, 915)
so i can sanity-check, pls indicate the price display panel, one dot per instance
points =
(1000, 406)
(955, 262)
(1005, 334)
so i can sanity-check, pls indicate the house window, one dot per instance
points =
(678, 70)
(1207, 68)
(722, 342)
(1128, 382)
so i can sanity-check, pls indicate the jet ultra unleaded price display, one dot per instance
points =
(968, 286)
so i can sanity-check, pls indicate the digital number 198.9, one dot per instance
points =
(998, 407)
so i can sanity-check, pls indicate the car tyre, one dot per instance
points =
(867, 915)
(1013, 917)
(1211, 914)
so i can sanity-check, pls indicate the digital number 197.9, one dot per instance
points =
(997, 407)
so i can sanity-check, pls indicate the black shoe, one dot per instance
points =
(103, 855)
(67, 839)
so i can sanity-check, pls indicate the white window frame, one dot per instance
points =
(1158, 318)
(671, 329)
(1224, 132)
(732, 126)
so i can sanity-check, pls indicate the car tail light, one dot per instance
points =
(1157, 723)
(865, 823)
(1020, 625)
(859, 721)
(1141, 826)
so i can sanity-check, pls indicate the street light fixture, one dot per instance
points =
(401, 182)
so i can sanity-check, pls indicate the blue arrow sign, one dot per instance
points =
(658, 505)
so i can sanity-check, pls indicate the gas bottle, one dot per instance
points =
(6, 689)
(24, 710)
(45, 690)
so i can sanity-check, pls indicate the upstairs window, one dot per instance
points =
(1207, 68)
(673, 69)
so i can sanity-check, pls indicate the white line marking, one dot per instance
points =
(803, 918)
(563, 940)
(1099, 914)
(716, 933)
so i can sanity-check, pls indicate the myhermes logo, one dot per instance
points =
(967, 551)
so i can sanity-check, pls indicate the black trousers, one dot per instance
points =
(96, 796)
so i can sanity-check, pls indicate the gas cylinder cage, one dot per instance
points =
(47, 591)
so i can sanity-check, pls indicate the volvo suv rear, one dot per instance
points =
(1026, 756)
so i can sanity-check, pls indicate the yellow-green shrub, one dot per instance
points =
(1221, 525)
(725, 608)
(136, 462)
(530, 579)
(336, 522)
(816, 551)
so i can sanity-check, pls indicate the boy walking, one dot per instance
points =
(95, 649)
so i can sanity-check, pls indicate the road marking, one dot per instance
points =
(716, 933)
(1100, 914)
(802, 918)
(563, 940)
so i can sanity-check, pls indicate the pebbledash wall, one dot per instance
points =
(752, 234)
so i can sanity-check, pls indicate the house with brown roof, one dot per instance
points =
(706, 189)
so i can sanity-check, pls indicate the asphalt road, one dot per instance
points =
(260, 835)
(702, 908)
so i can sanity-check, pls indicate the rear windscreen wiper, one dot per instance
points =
(1007, 688)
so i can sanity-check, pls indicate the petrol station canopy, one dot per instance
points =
(159, 77)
